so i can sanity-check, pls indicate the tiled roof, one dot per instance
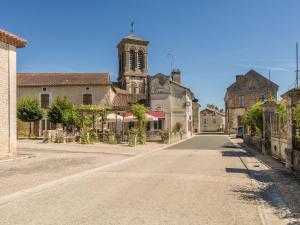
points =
(62, 79)
(12, 39)
(133, 38)
(118, 89)
(125, 100)
(210, 110)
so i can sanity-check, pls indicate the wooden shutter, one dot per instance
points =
(44, 101)
(235, 101)
(87, 99)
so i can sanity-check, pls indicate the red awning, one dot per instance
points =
(157, 114)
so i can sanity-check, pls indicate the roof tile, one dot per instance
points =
(62, 79)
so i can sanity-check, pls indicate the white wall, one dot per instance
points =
(7, 99)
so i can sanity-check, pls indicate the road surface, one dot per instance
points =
(199, 181)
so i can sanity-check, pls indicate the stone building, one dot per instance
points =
(212, 120)
(166, 97)
(8, 45)
(174, 99)
(80, 88)
(242, 94)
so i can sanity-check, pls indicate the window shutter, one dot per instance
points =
(235, 101)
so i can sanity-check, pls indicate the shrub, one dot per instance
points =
(164, 134)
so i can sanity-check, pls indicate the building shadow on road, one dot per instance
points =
(228, 153)
(265, 192)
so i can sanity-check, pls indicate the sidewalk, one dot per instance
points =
(274, 175)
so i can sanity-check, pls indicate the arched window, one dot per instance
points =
(141, 62)
(133, 88)
(132, 59)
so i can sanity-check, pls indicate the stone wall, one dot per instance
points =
(254, 142)
(175, 137)
(101, 95)
(7, 99)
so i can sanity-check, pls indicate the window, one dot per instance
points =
(230, 102)
(45, 101)
(214, 121)
(87, 99)
(141, 63)
(133, 88)
(204, 121)
(240, 121)
(241, 101)
(132, 59)
(158, 124)
(262, 98)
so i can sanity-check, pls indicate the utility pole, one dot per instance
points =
(297, 67)
(269, 74)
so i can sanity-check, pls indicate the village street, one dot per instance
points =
(203, 180)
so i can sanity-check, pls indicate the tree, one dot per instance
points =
(56, 112)
(139, 112)
(71, 119)
(29, 110)
(254, 118)
(212, 106)
(296, 115)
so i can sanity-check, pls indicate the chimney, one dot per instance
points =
(176, 75)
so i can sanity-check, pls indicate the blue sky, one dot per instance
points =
(212, 41)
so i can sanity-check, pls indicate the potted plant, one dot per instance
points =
(164, 134)
(133, 137)
(112, 138)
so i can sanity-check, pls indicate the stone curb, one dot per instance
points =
(17, 158)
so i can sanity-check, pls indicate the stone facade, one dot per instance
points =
(244, 93)
(101, 93)
(133, 60)
(174, 99)
(8, 45)
(212, 120)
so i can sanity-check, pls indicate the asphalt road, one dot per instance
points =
(199, 181)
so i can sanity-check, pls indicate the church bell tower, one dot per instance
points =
(133, 64)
